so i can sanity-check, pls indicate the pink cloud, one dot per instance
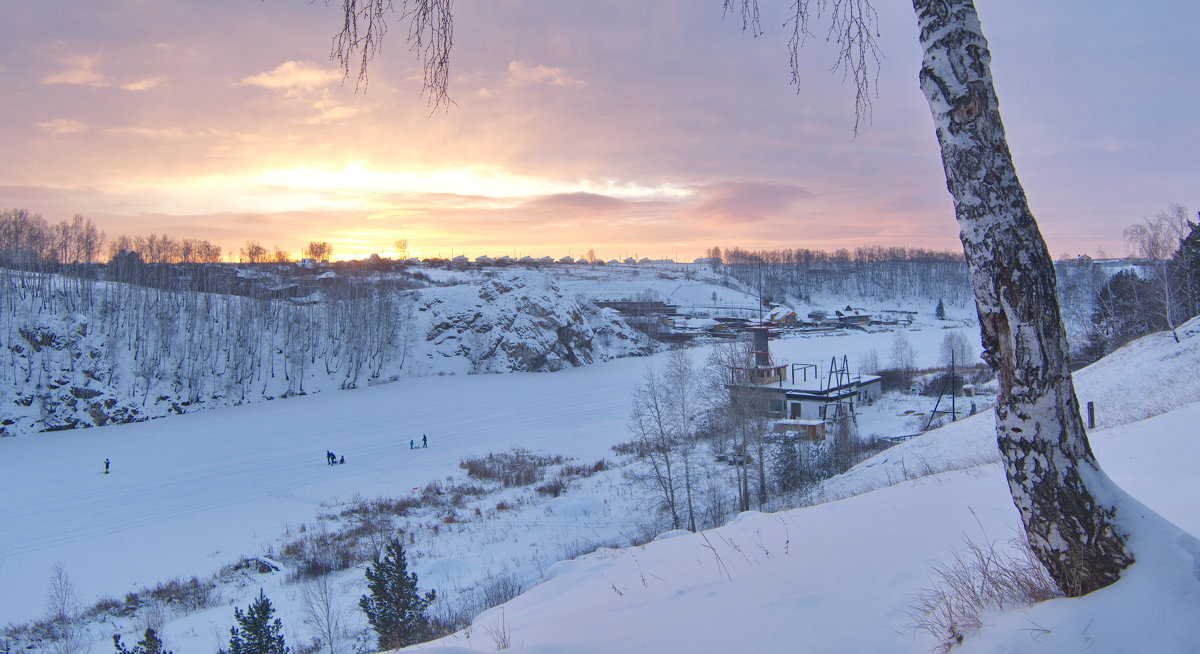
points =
(294, 75)
(577, 203)
(78, 69)
(739, 202)
(522, 74)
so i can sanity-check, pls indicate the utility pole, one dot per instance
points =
(953, 394)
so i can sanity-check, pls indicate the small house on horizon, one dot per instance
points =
(782, 317)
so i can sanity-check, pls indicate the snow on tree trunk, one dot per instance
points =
(1052, 473)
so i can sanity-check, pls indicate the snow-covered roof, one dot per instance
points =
(779, 312)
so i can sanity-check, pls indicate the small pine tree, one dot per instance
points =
(394, 607)
(149, 644)
(940, 311)
(256, 632)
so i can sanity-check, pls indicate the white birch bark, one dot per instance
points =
(1042, 441)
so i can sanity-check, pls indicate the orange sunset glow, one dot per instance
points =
(658, 130)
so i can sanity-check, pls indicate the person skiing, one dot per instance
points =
(424, 441)
(106, 463)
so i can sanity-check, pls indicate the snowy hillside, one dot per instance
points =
(843, 576)
(82, 354)
(1146, 378)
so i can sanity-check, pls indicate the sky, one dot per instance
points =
(653, 129)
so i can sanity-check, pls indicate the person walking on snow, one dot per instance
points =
(412, 445)
(424, 441)
(106, 466)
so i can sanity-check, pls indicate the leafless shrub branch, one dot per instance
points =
(982, 577)
(61, 603)
(518, 467)
(323, 610)
(498, 631)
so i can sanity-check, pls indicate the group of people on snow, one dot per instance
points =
(333, 459)
(412, 444)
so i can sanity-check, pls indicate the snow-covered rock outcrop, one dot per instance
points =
(521, 321)
(92, 353)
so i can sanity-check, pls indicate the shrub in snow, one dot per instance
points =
(518, 467)
(980, 579)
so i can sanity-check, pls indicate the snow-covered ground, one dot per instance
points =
(843, 576)
(192, 494)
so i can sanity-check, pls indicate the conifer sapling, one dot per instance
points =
(257, 632)
(395, 608)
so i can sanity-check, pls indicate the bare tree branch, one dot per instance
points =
(853, 25)
(430, 37)
(749, 11)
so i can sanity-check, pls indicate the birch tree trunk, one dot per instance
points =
(1052, 474)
